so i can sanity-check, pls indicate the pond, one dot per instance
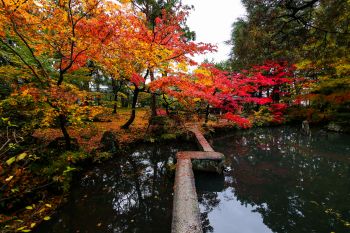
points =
(132, 193)
(276, 180)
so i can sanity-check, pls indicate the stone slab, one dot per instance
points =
(201, 140)
(211, 155)
(186, 214)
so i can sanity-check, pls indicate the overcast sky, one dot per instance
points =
(212, 20)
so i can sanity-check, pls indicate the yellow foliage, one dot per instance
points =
(202, 70)
(342, 68)
(304, 64)
(49, 116)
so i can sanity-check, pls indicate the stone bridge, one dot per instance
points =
(186, 214)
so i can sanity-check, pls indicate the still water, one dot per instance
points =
(132, 193)
(276, 180)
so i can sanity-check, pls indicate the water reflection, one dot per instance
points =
(129, 194)
(280, 181)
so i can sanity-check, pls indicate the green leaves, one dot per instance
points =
(10, 160)
(69, 169)
(16, 158)
(21, 156)
(23, 229)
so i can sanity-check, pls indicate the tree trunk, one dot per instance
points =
(275, 95)
(63, 120)
(133, 109)
(167, 110)
(153, 98)
(166, 104)
(207, 111)
(125, 101)
(115, 103)
(207, 114)
(115, 92)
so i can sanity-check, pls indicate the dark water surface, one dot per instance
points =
(128, 194)
(278, 181)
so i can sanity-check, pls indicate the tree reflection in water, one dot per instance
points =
(128, 194)
(280, 181)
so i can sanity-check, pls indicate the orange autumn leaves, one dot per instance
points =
(54, 39)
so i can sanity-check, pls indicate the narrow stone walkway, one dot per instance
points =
(201, 139)
(186, 214)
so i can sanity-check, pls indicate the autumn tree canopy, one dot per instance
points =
(67, 67)
(313, 35)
